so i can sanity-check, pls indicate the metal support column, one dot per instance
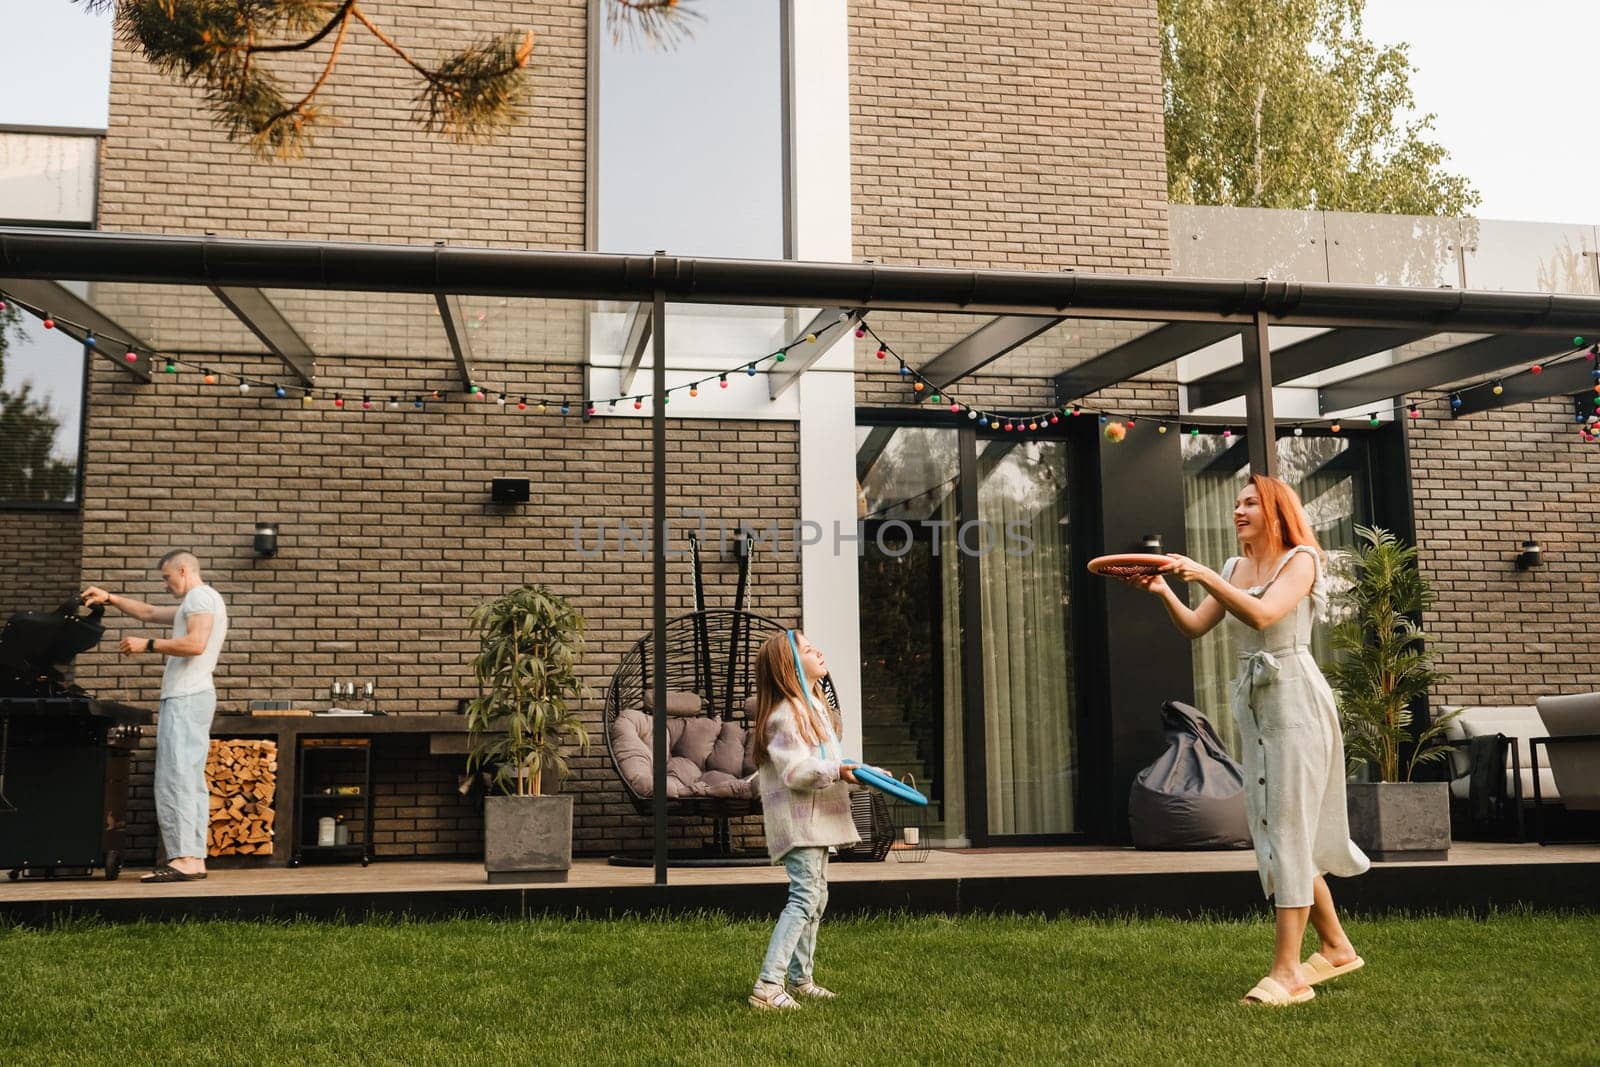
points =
(1260, 427)
(658, 465)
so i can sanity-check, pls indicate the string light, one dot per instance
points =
(1498, 389)
(1372, 419)
(210, 379)
(171, 368)
(280, 392)
(89, 341)
(1334, 427)
(49, 323)
(244, 388)
(1299, 431)
(338, 401)
(1414, 411)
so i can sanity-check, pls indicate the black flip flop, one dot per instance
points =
(171, 874)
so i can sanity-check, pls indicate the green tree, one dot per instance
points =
(29, 473)
(1286, 104)
(224, 49)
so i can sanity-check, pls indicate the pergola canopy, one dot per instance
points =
(302, 301)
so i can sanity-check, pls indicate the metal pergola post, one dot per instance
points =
(1260, 431)
(658, 475)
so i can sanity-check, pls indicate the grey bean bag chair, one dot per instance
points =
(1192, 796)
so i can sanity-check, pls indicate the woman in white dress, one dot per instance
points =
(1289, 725)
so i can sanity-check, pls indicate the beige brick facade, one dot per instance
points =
(1481, 485)
(1018, 134)
(40, 553)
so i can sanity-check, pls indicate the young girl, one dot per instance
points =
(1293, 751)
(805, 803)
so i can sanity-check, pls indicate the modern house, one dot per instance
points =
(1020, 692)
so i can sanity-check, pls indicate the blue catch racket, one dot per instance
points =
(883, 782)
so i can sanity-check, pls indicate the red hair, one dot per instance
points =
(1287, 523)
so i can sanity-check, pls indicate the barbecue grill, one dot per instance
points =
(64, 755)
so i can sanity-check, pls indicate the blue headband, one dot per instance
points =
(799, 668)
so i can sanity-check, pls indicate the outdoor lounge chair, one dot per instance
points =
(1572, 745)
(1490, 779)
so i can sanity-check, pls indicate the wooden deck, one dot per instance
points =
(1083, 880)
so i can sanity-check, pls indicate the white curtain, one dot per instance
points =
(954, 772)
(1027, 666)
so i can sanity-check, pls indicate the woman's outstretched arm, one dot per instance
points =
(1290, 587)
(1191, 622)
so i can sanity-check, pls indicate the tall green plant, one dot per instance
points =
(527, 677)
(1384, 667)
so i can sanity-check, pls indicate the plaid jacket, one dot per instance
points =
(803, 802)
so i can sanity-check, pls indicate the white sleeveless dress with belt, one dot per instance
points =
(1293, 750)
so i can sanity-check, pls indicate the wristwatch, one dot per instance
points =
(150, 645)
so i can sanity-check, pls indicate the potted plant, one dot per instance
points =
(1383, 671)
(518, 726)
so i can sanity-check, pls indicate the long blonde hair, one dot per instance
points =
(778, 680)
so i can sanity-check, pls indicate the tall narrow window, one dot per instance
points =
(690, 140)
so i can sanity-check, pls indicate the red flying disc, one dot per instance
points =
(1129, 565)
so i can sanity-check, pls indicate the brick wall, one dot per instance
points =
(39, 553)
(1481, 485)
(375, 175)
(387, 540)
(1015, 134)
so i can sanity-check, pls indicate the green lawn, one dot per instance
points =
(1516, 988)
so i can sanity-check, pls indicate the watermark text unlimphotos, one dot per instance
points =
(596, 536)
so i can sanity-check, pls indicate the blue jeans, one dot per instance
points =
(183, 739)
(794, 939)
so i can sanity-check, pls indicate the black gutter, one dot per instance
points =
(195, 260)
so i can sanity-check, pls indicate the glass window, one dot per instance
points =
(690, 152)
(41, 402)
(1329, 473)
(906, 482)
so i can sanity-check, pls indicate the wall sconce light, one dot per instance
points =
(1531, 555)
(266, 541)
(509, 490)
(1151, 543)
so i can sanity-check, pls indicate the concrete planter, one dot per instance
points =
(1400, 820)
(527, 839)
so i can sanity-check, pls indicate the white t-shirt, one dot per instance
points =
(187, 675)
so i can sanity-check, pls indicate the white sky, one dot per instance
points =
(1513, 86)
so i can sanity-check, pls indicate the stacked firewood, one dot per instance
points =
(243, 777)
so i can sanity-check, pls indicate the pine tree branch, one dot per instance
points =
(392, 46)
(339, 19)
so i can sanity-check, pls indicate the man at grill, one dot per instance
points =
(188, 701)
